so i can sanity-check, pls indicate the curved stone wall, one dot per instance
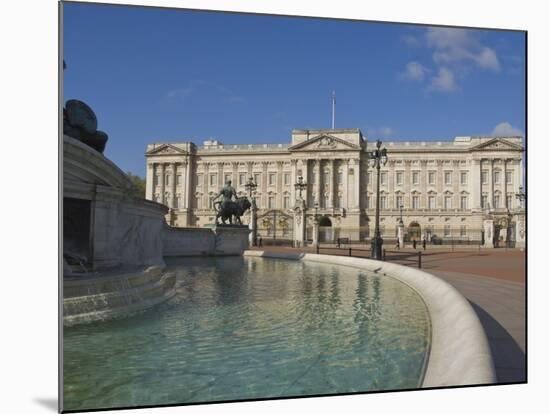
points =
(95, 298)
(459, 351)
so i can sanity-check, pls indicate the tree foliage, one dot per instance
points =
(139, 185)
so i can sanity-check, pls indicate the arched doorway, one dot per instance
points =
(325, 230)
(413, 231)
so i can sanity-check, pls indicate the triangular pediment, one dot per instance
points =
(166, 149)
(499, 144)
(324, 142)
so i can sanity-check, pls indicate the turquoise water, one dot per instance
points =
(245, 328)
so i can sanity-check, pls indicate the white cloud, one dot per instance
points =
(460, 48)
(505, 129)
(414, 71)
(198, 86)
(411, 40)
(444, 81)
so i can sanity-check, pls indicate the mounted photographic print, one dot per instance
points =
(266, 206)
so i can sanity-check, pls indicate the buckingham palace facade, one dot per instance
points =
(444, 187)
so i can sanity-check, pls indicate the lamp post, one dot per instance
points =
(377, 158)
(521, 196)
(251, 188)
(300, 214)
(401, 214)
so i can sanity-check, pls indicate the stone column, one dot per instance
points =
(357, 186)
(206, 182)
(162, 182)
(173, 184)
(318, 164)
(279, 185)
(293, 179)
(265, 164)
(491, 184)
(315, 235)
(331, 184)
(149, 181)
(475, 184)
(345, 172)
(423, 183)
(407, 185)
(392, 176)
(188, 193)
(439, 179)
(235, 174)
(504, 183)
(455, 177)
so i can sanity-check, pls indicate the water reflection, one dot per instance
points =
(252, 328)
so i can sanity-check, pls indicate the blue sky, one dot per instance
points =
(156, 75)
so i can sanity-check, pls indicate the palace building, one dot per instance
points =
(442, 189)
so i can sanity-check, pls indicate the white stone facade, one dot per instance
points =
(445, 187)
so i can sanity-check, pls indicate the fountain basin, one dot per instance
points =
(459, 350)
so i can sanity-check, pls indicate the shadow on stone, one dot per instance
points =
(509, 359)
(49, 403)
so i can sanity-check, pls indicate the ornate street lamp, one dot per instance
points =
(251, 188)
(300, 186)
(401, 214)
(521, 196)
(377, 158)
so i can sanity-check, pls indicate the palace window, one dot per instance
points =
(242, 179)
(213, 179)
(326, 177)
(399, 177)
(199, 180)
(368, 201)
(178, 200)
(211, 202)
(448, 202)
(462, 231)
(227, 177)
(339, 177)
(383, 202)
(509, 201)
(484, 201)
(431, 202)
(313, 177)
(286, 202)
(463, 178)
(167, 180)
(156, 180)
(496, 199)
(497, 177)
(431, 178)
(508, 177)
(415, 202)
(447, 178)
(199, 202)
(398, 201)
(383, 178)
(178, 179)
(415, 177)
(272, 179)
(258, 179)
(447, 230)
(463, 202)
(271, 202)
(484, 177)
(338, 201)
(286, 178)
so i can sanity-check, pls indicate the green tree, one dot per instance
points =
(139, 185)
